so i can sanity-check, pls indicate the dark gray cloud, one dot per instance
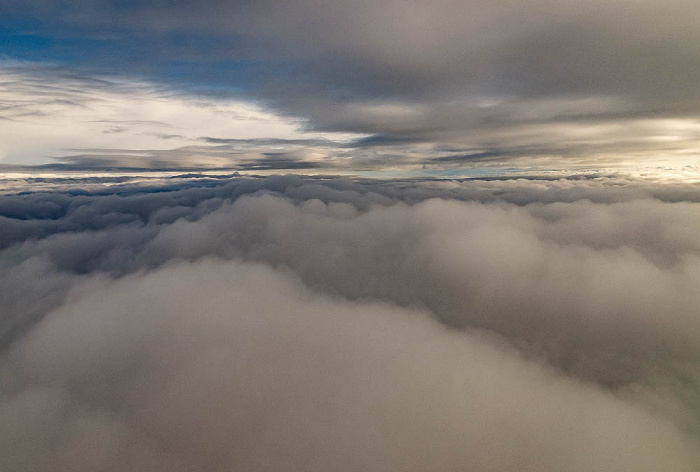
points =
(420, 47)
(208, 323)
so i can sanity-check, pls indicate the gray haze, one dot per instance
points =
(226, 323)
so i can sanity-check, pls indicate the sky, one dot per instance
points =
(329, 235)
(336, 85)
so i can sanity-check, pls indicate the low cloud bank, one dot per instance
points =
(309, 324)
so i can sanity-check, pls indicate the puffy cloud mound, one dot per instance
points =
(315, 324)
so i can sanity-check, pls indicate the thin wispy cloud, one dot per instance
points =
(52, 114)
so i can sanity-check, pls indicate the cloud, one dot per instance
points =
(422, 48)
(576, 82)
(275, 376)
(91, 121)
(204, 323)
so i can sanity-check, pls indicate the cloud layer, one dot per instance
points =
(213, 323)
